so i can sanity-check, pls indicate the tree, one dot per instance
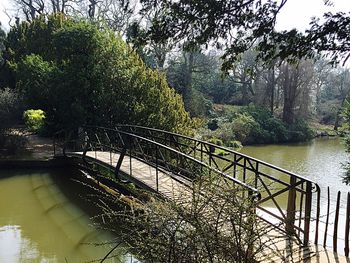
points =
(3, 71)
(2, 46)
(235, 25)
(243, 75)
(340, 80)
(295, 82)
(89, 75)
(185, 73)
(329, 38)
(116, 14)
(31, 9)
(265, 84)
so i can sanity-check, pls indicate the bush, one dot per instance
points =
(272, 129)
(242, 126)
(13, 143)
(10, 111)
(81, 74)
(256, 125)
(219, 226)
(300, 131)
(216, 141)
(34, 119)
(213, 124)
(235, 144)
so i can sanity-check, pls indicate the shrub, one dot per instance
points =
(34, 119)
(9, 108)
(300, 131)
(219, 226)
(216, 141)
(225, 132)
(235, 144)
(213, 124)
(255, 125)
(89, 75)
(243, 125)
(14, 143)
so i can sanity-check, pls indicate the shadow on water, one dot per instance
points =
(45, 217)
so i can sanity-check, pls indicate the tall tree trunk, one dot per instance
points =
(337, 117)
(288, 111)
(290, 85)
(187, 91)
(244, 93)
(272, 84)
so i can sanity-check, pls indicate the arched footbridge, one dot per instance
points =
(166, 162)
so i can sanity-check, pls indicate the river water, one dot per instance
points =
(320, 159)
(43, 218)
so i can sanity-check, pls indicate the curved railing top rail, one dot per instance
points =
(285, 210)
(221, 148)
(235, 180)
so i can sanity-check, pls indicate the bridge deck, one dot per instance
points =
(141, 173)
(177, 188)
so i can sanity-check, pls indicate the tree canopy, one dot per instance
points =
(236, 26)
(81, 74)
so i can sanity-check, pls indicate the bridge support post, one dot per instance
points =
(307, 219)
(120, 161)
(290, 220)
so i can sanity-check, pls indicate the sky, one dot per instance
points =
(295, 14)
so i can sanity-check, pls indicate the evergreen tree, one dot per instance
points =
(81, 74)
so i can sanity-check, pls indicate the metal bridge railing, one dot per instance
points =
(181, 166)
(286, 196)
(283, 198)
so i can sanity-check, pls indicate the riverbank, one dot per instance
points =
(24, 145)
(322, 130)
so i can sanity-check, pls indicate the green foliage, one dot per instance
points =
(346, 166)
(2, 46)
(219, 226)
(256, 125)
(300, 131)
(197, 104)
(10, 114)
(34, 76)
(235, 144)
(182, 77)
(81, 74)
(34, 119)
(10, 108)
(270, 129)
(212, 124)
(242, 126)
(216, 141)
(201, 23)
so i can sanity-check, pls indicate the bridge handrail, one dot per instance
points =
(296, 184)
(223, 148)
(235, 180)
(188, 150)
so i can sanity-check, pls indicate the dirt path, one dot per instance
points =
(36, 147)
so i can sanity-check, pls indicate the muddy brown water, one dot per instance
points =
(45, 217)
